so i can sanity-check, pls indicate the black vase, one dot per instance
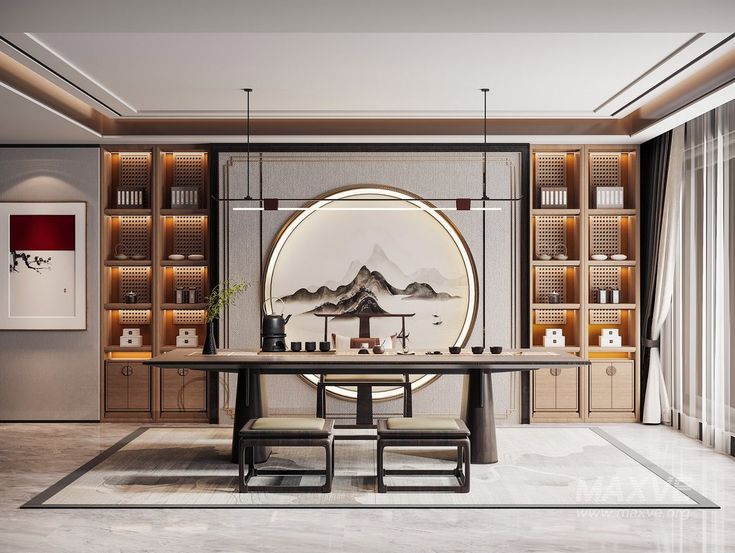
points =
(210, 345)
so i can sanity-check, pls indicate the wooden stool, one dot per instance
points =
(422, 432)
(291, 432)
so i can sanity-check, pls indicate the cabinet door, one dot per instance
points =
(623, 386)
(195, 390)
(116, 386)
(544, 392)
(139, 387)
(567, 389)
(172, 389)
(601, 385)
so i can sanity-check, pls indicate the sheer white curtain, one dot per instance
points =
(696, 343)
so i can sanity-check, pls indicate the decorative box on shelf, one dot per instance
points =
(130, 197)
(184, 197)
(554, 338)
(187, 338)
(554, 196)
(610, 338)
(127, 332)
(609, 197)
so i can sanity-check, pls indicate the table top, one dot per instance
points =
(348, 362)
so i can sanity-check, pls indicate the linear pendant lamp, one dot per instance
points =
(381, 204)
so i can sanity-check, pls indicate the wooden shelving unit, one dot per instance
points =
(130, 391)
(608, 390)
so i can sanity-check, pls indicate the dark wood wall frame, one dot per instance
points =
(523, 149)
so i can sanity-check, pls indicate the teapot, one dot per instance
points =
(274, 325)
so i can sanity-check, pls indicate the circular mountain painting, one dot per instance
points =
(365, 256)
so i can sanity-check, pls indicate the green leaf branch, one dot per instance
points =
(223, 295)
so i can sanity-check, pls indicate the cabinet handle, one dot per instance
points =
(127, 370)
(555, 372)
(182, 372)
(611, 370)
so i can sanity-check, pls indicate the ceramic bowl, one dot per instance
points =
(310, 346)
(121, 257)
(196, 257)
(496, 349)
(599, 257)
(477, 349)
(544, 257)
(324, 347)
(137, 257)
(619, 257)
(176, 257)
(455, 349)
(295, 346)
(379, 350)
(561, 257)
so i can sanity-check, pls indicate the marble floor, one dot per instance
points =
(34, 456)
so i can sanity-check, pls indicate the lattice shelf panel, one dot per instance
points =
(134, 316)
(134, 236)
(134, 279)
(135, 171)
(189, 317)
(188, 235)
(605, 235)
(189, 170)
(550, 279)
(604, 278)
(605, 170)
(551, 169)
(551, 235)
(605, 316)
(550, 317)
(190, 278)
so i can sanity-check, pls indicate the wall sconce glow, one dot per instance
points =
(49, 108)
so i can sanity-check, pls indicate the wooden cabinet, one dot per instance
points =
(183, 390)
(612, 385)
(556, 390)
(127, 387)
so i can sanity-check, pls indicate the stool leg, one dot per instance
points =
(407, 398)
(465, 488)
(320, 407)
(364, 405)
(381, 482)
(241, 467)
(328, 467)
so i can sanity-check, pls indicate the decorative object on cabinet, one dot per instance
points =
(45, 288)
(222, 296)
(554, 338)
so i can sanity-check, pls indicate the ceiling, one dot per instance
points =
(338, 70)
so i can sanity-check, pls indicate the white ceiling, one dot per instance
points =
(306, 58)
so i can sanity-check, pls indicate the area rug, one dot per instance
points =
(538, 467)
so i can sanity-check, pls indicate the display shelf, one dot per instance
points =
(128, 212)
(194, 306)
(611, 305)
(156, 230)
(133, 306)
(585, 229)
(110, 349)
(128, 263)
(564, 306)
(567, 349)
(555, 263)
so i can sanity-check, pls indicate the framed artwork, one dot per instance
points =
(366, 261)
(44, 284)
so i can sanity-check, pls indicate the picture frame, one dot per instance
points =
(44, 286)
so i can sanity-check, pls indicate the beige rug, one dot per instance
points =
(564, 467)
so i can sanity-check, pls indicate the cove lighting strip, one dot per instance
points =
(49, 108)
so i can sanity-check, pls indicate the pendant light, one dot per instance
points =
(247, 92)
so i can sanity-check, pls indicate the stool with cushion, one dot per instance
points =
(364, 384)
(288, 432)
(425, 432)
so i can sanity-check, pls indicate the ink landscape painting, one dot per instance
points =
(356, 264)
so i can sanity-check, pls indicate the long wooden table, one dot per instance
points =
(480, 416)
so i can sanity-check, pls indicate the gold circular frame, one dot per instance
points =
(385, 393)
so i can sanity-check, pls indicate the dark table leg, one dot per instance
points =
(248, 405)
(480, 418)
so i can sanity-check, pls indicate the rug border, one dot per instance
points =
(701, 502)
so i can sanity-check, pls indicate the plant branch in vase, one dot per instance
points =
(221, 297)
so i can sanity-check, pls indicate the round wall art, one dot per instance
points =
(373, 251)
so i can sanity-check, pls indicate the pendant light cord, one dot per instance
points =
(247, 130)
